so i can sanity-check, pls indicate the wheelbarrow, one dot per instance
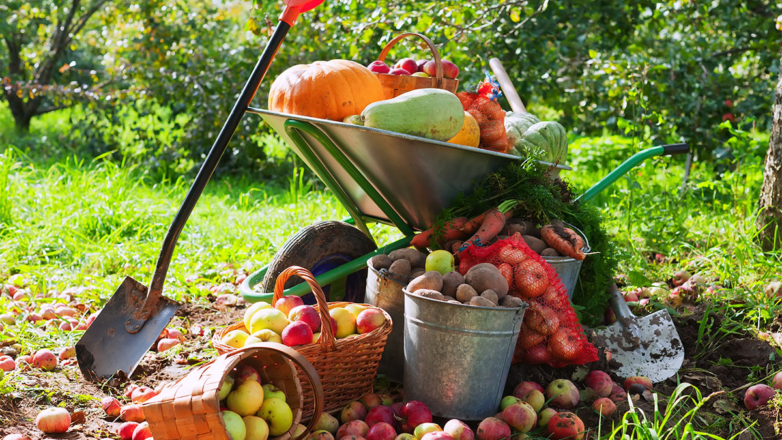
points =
(379, 176)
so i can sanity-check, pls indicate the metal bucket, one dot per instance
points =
(457, 357)
(568, 269)
(385, 292)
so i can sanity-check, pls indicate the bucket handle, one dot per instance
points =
(586, 248)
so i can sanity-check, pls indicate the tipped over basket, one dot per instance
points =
(190, 408)
(347, 367)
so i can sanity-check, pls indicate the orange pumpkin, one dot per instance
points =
(325, 89)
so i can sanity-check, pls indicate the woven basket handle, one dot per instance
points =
(327, 339)
(435, 53)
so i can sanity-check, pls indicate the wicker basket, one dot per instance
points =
(347, 367)
(189, 408)
(395, 85)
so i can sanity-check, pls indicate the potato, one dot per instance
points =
(465, 293)
(418, 272)
(511, 302)
(491, 296)
(534, 243)
(451, 281)
(523, 227)
(549, 252)
(454, 302)
(431, 280)
(431, 294)
(416, 259)
(449, 298)
(381, 261)
(485, 276)
(400, 268)
(483, 302)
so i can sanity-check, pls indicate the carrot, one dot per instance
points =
(473, 224)
(423, 240)
(564, 240)
(493, 223)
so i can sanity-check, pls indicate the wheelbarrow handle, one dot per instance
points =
(288, 18)
(635, 159)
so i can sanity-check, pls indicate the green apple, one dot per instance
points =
(327, 422)
(257, 429)
(425, 428)
(422, 74)
(248, 314)
(508, 401)
(267, 335)
(225, 388)
(271, 319)
(270, 391)
(346, 322)
(234, 425)
(245, 399)
(277, 414)
(440, 261)
(235, 338)
(536, 399)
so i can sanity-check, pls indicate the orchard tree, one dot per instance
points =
(769, 220)
(44, 66)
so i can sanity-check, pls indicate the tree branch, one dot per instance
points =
(734, 50)
(59, 42)
(54, 108)
(82, 21)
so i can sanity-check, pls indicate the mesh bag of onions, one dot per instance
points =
(550, 333)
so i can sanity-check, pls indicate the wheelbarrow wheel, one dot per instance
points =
(321, 247)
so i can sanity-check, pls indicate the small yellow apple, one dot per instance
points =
(355, 309)
(257, 429)
(246, 399)
(271, 319)
(277, 414)
(315, 337)
(346, 322)
(235, 338)
(267, 335)
(248, 314)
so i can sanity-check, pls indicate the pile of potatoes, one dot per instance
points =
(405, 264)
(483, 285)
(531, 235)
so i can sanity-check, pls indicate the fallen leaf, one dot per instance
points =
(724, 406)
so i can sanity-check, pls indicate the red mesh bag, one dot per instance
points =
(550, 332)
(483, 106)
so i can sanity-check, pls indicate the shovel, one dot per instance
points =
(135, 316)
(646, 346)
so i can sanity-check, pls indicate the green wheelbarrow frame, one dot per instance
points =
(295, 128)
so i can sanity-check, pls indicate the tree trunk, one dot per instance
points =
(769, 220)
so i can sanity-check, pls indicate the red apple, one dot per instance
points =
(776, 382)
(34, 317)
(520, 415)
(492, 428)
(288, 303)
(358, 437)
(90, 319)
(729, 117)
(408, 64)
(142, 394)
(600, 382)
(522, 388)
(437, 435)
(174, 333)
(728, 103)
(142, 432)
(458, 430)
(617, 393)
(7, 364)
(125, 430)
(53, 420)
(371, 400)
(378, 67)
(247, 372)
(397, 407)
(565, 344)
(381, 414)
(414, 413)
(604, 406)
(111, 406)
(132, 413)
(354, 410)
(645, 381)
(129, 390)
(354, 427)
(381, 431)
(45, 360)
(166, 343)
(631, 296)
(562, 393)
(47, 313)
(297, 333)
(369, 319)
(758, 395)
(63, 311)
(65, 326)
(565, 425)
(16, 437)
(306, 314)
(450, 70)
(399, 72)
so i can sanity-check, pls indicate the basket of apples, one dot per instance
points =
(253, 392)
(408, 74)
(343, 341)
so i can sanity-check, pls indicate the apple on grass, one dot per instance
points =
(125, 430)
(277, 414)
(142, 432)
(437, 435)
(378, 67)
(297, 333)
(371, 400)
(381, 414)
(562, 393)
(425, 428)
(326, 422)
(600, 382)
(402, 436)
(492, 428)
(111, 406)
(642, 380)
(757, 396)
(45, 360)
(320, 435)
(354, 410)
(354, 427)
(604, 406)
(544, 415)
(288, 303)
(565, 425)
(306, 314)
(413, 414)
(234, 425)
(132, 413)
(458, 430)
(255, 428)
(520, 415)
(381, 431)
(536, 399)
(53, 420)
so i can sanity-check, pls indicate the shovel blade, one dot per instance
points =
(106, 349)
(659, 353)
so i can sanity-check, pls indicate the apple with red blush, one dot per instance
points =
(381, 431)
(378, 67)
(297, 333)
(407, 64)
(600, 382)
(306, 314)
(757, 396)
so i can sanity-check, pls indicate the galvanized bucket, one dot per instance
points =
(385, 291)
(457, 357)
